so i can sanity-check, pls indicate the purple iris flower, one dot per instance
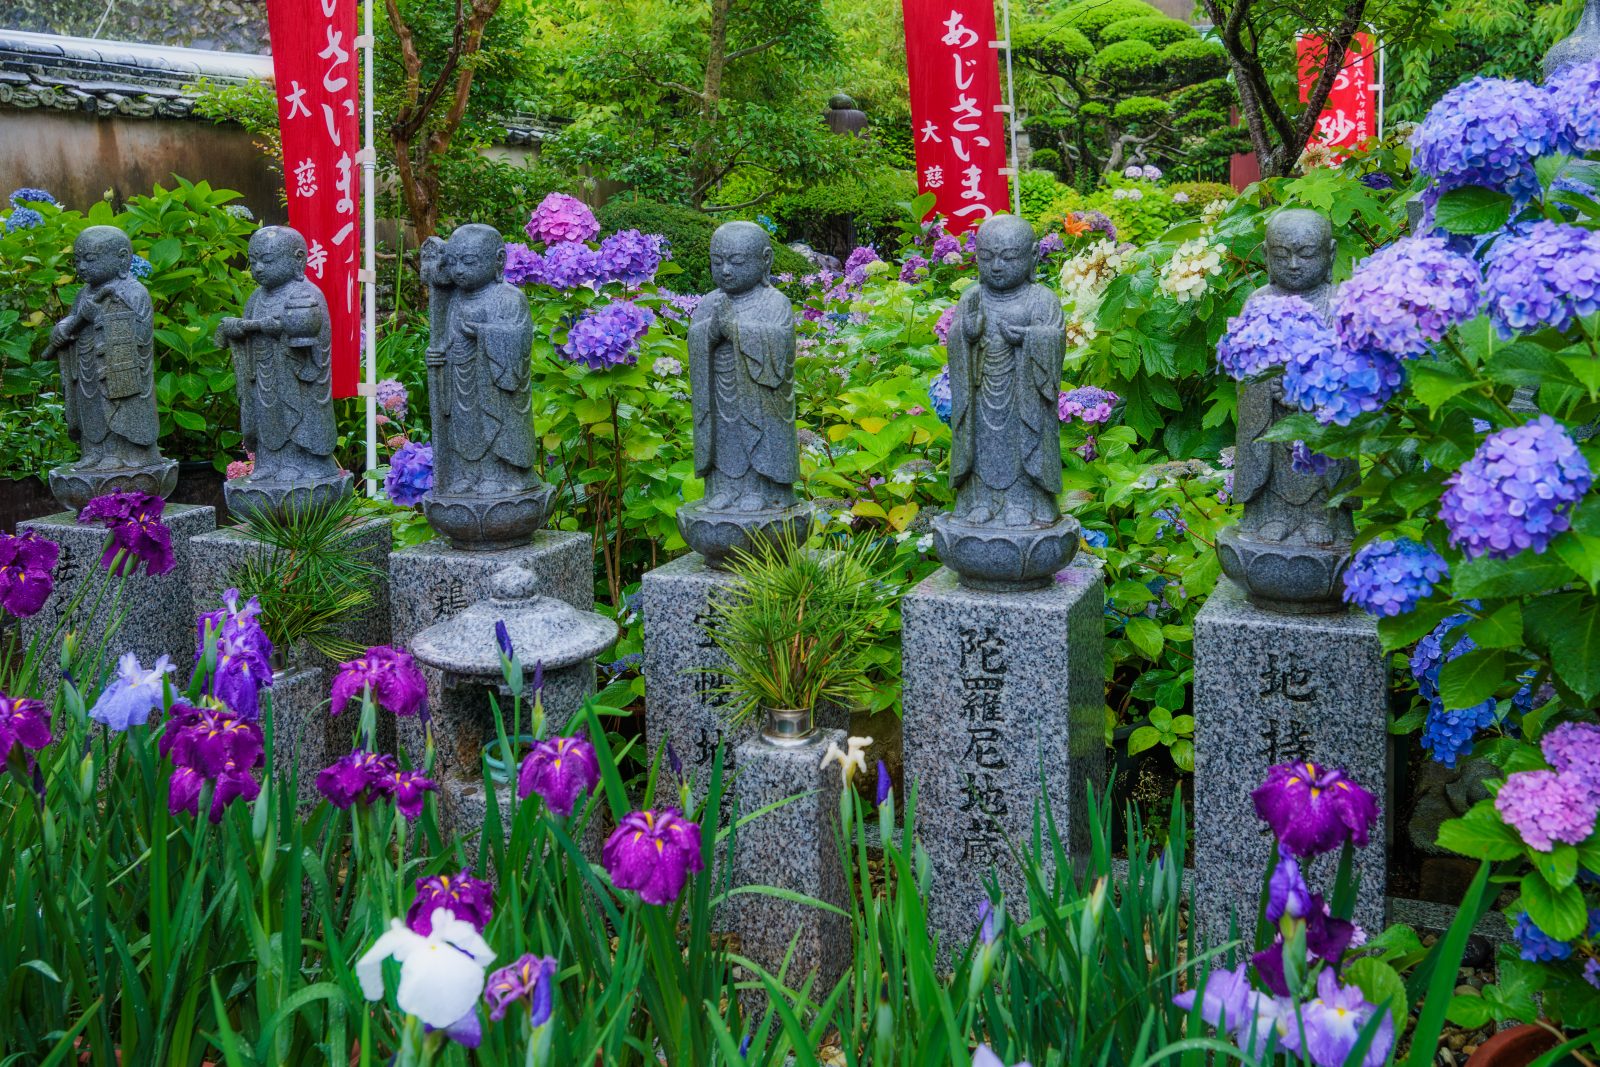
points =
(560, 771)
(1334, 1020)
(241, 673)
(988, 922)
(884, 784)
(395, 679)
(1326, 938)
(1222, 997)
(409, 789)
(23, 721)
(532, 977)
(503, 639)
(674, 761)
(132, 695)
(355, 777)
(134, 519)
(183, 793)
(209, 740)
(1314, 809)
(239, 624)
(467, 898)
(1287, 892)
(653, 852)
(25, 566)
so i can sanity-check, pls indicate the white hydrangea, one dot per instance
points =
(1080, 331)
(1186, 275)
(667, 367)
(1127, 194)
(1213, 211)
(1085, 276)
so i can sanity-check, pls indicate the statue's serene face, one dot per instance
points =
(102, 257)
(741, 256)
(472, 258)
(277, 257)
(1300, 249)
(1006, 252)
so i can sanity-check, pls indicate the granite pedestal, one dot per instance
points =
(461, 712)
(795, 847)
(682, 704)
(1271, 688)
(464, 808)
(219, 556)
(305, 737)
(433, 581)
(155, 616)
(1004, 695)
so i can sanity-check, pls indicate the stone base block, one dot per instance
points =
(794, 847)
(154, 618)
(999, 690)
(1271, 688)
(464, 810)
(433, 581)
(305, 737)
(218, 557)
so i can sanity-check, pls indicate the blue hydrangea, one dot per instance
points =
(1269, 332)
(23, 218)
(1304, 461)
(29, 195)
(1448, 732)
(410, 475)
(1389, 578)
(1536, 945)
(1403, 297)
(939, 394)
(1430, 655)
(1488, 132)
(1096, 538)
(1339, 383)
(567, 265)
(629, 257)
(1516, 492)
(1170, 519)
(1377, 180)
(140, 267)
(608, 336)
(1542, 274)
(1575, 99)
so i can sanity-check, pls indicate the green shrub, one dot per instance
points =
(1126, 64)
(1194, 61)
(502, 193)
(1093, 17)
(1140, 109)
(1202, 193)
(1213, 95)
(872, 202)
(1156, 30)
(1040, 189)
(689, 232)
(1046, 159)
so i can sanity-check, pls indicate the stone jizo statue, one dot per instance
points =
(106, 350)
(283, 366)
(1289, 549)
(741, 380)
(486, 494)
(1007, 345)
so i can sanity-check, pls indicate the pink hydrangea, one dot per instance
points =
(241, 467)
(1573, 749)
(1546, 807)
(560, 217)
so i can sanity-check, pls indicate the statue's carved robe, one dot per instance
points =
(742, 388)
(286, 382)
(1003, 416)
(1268, 466)
(487, 399)
(108, 372)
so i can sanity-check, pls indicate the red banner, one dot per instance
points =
(955, 89)
(314, 66)
(1349, 116)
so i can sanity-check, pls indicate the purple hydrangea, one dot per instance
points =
(1097, 221)
(1401, 298)
(608, 336)
(410, 476)
(630, 257)
(392, 397)
(523, 266)
(26, 563)
(1314, 809)
(939, 394)
(1488, 132)
(560, 770)
(568, 265)
(947, 248)
(1269, 332)
(1389, 578)
(1573, 93)
(859, 257)
(467, 898)
(653, 852)
(1573, 749)
(560, 217)
(913, 268)
(1516, 492)
(1543, 274)
(1302, 460)
(1338, 383)
(1535, 945)
(1545, 807)
(1050, 244)
(1377, 180)
(1087, 403)
(941, 325)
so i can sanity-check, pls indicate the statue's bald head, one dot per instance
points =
(476, 255)
(741, 257)
(1006, 252)
(1300, 250)
(277, 255)
(102, 253)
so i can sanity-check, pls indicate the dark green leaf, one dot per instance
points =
(1568, 628)
(1500, 629)
(1522, 575)
(1559, 913)
(1469, 680)
(1472, 210)
(1480, 834)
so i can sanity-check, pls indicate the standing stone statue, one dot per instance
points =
(283, 364)
(106, 348)
(741, 380)
(1007, 345)
(1581, 46)
(1290, 548)
(486, 494)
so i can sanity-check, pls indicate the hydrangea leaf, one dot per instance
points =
(1558, 912)
(1472, 210)
(1470, 1010)
(1559, 866)
(1480, 834)
(1435, 383)
(1472, 678)
(1502, 628)
(1568, 627)
(1400, 630)
(1521, 575)
(1582, 554)
(1380, 984)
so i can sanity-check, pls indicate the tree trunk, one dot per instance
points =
(710, 96)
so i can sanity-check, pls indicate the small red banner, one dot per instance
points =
(955, 89)
(314, 65)
(1349, 116)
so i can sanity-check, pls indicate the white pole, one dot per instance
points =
(1011, 110)
(369, 254)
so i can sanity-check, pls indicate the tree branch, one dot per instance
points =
(740, 53)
